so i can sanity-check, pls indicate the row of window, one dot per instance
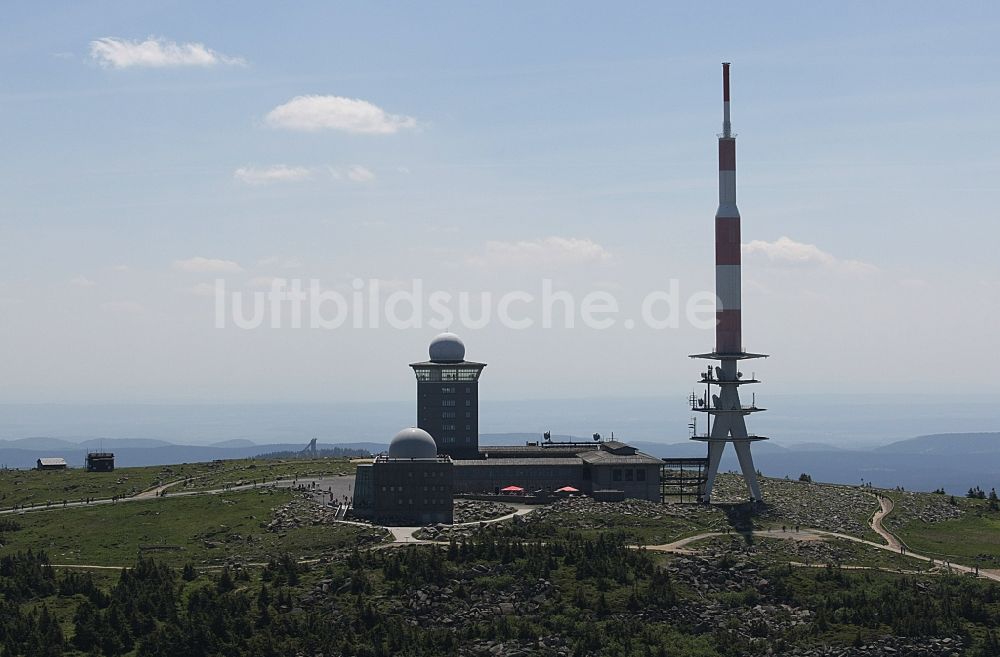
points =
(459, 375)
(630, 474)
(448, 374)
(451, 402)
(433, 502)
(450, 440)
(450, 390)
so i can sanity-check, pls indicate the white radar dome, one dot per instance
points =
(412, 443)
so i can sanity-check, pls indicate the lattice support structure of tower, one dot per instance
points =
(726, 413)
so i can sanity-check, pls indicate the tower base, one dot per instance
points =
(727, 418)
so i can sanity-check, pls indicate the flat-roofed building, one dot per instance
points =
(601, 467)
(100, 462)
(411, 485)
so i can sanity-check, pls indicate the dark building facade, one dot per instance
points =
(100, 462)
(448, 397)
(411, 486)
(609, 469)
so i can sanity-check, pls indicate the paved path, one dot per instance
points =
(892, 543)
(404, 535)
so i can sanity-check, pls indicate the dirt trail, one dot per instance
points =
(885, 508)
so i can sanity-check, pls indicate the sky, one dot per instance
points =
(150, 150)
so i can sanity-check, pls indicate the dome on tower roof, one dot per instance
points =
(412, 443)
(447, 348)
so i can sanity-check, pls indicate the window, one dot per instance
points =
(640, 474)
(449, 374)
(467, 375)
(423, 374)
(447, 427)
(448, 440)
(447, 415)
(616, 475)
(628, 474)
(468, 427)
(468, 414)
(448, 402)
(447, 389)
(468, 402)
(468, 389)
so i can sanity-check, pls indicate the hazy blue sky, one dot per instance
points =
(147, 149)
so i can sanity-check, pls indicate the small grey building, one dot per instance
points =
(410, 486)
(100, 462)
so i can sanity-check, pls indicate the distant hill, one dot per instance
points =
(92, 444)
(947, 443)
(955, 462)
(235, 442)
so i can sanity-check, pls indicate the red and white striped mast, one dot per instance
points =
(727, 416)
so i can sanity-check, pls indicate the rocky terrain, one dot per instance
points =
(834, 508)
(476, 510)
(649, 522)
(926, 508)
(586, 514)
(300, 512)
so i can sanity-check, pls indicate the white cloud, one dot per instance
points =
(550, 250)
(337, 113)
(200, 265)
(155, 52)
(358, 173)
(354, 173)
(276, 173)
(81, 281)
(786, 251)
(120, 268)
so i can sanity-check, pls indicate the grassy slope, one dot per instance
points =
(23, 487)
(184, 529)
(974, 536)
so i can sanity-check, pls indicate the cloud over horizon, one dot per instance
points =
(276, 173)
(156, 52)
(786, 251)
(317, 112)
